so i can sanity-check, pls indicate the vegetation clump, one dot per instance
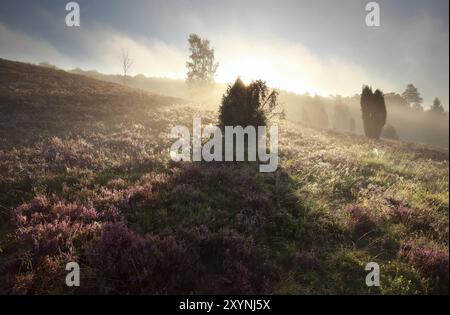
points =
(374, 112)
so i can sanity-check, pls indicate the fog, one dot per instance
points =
(301, 49)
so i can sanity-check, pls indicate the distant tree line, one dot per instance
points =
(374, 107)
(249, 104)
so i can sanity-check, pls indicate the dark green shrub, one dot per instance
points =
(374, 112)
(248, 105)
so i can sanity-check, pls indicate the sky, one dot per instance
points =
(321, 46)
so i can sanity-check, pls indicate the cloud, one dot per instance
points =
(154, 58)
(101, 50)
(21, 47)
(284, 64)
(419, 50)
(290, 66)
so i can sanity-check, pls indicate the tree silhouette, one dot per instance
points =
(201, 66)
(314, 113)
(305, 115)
(396, 101)
(352, 124)
(248, 105)
(341, 116)
(437, 107)
(126, 63)
(417, 107)
(412, 95)
(374, 112)
(321, 116)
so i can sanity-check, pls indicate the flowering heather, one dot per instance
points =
(402, 213)
(138, 264)
(187, 262)
(360, 222)
(229, 261)
(432, 262)
(49, 229)
(96, 185)
(52, 233)
(68, 153)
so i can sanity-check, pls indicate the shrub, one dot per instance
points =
(51, 234)
(228, 262)
(374, 112)
(432, 262)
(193, 260)
(360, 222)
(135, 263)
(248, 105)
(51, 229)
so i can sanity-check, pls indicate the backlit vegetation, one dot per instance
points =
(87, 177)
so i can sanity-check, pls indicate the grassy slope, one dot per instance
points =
(85, 175)
(38, 102)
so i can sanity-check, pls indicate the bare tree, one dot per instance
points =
(126, 63)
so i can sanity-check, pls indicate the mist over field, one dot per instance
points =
(95, 96)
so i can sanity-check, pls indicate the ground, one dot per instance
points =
(86, 176)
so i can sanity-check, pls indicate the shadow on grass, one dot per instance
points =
(194, 228)
(244, 231)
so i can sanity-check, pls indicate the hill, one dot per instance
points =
(39, 101)
(409, 124)
(85, 176)
(165, 86)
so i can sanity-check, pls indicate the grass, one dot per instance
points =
(96, 185)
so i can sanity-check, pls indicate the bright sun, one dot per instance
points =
(250, 68)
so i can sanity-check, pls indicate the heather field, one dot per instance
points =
(86, 176)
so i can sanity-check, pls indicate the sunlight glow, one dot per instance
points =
(250, 68)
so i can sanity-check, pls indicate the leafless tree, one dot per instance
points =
(126, 62)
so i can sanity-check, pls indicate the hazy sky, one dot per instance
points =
(321, 46)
